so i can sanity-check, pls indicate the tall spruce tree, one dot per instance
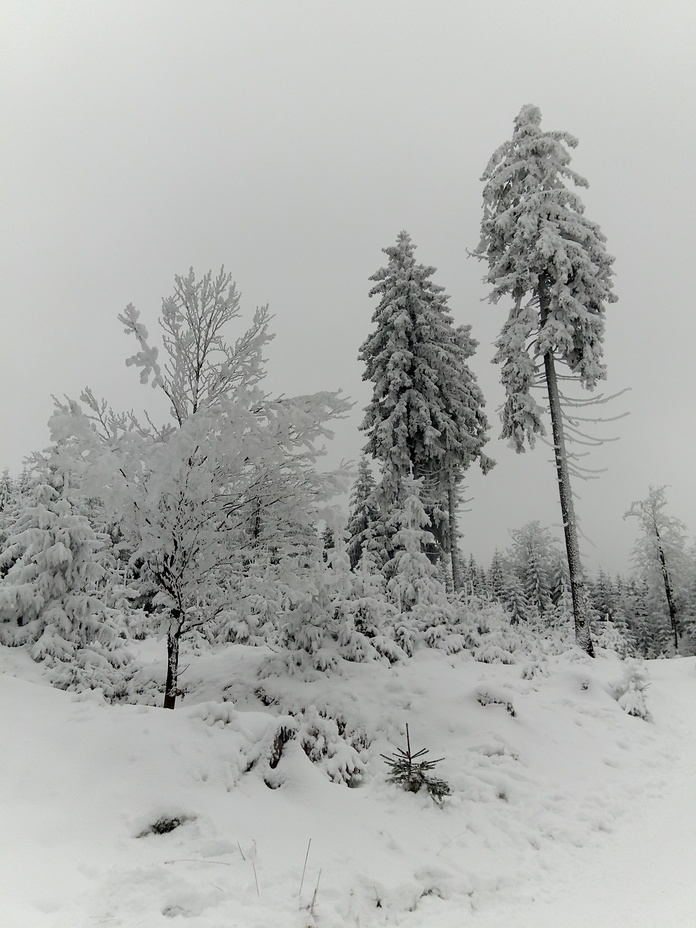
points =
(426, 415)
(544, 253)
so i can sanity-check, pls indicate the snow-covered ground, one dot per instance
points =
(565, 810)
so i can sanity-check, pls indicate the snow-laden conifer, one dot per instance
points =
(497, 574)
(413, 578)
(426, 411)
(535, 557)
(604, 596)
(7, 493)
(551, 261)
(52, 595)
(5, 490)
(365, 527)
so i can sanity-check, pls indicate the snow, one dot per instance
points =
(565, 809)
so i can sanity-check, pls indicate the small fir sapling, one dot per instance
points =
(412, 774)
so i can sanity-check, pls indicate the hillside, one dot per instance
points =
(565, 810)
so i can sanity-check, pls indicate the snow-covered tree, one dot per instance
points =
(231, 483)
(516, 600)
(497, 574)
(534, 556)
(365, 527)
(426, 413)
(474, 579)
(551, 260)
(413, 579)
(603, 596)
(7, 492)
(201, 366)
(51, 597)
(660, 556)
(647, 630)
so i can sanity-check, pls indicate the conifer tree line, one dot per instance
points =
(218, 524)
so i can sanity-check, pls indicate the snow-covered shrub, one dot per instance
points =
(165, 825)
(308, 637)
(413, 578)
(609, 636)
(534, 668)
(492, 635)
(53, 596)
(251, 619)
(493, 696)
(630, 692)
(406, 636)
(368, 617)
(490, 652)
(444, 639)
(328, 724)
(322, 740)
(325, 745)
(336, 615)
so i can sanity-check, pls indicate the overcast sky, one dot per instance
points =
(292, 141)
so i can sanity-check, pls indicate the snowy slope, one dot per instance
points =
(565, 810)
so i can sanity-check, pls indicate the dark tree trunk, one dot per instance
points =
(170, 687)
(570, 531)
(668, 588)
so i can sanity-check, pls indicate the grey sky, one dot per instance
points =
(292, 141)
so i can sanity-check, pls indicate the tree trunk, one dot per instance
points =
(170, 687)
(577, 580)
(668, 588)
(454, 548)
